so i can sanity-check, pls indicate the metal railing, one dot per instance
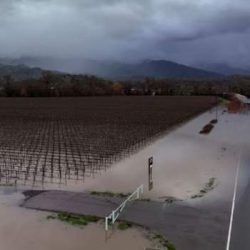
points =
(115, 213)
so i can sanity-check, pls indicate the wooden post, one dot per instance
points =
(150, 173)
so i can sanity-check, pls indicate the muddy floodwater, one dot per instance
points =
(22, 229)
(184, 162)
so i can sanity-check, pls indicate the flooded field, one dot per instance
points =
(196, 169)
(184, 162)
(45, 140)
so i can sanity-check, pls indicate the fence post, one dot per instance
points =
(142, 189)
(150, 173)
(106, 224)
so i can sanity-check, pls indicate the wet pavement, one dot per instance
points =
(185, 225)
(241, 224)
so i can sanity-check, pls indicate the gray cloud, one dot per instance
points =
(186, 31)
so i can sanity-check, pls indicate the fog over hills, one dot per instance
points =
(110, 70)
(225, 69)
(19, 72)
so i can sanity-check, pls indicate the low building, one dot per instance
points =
(238, 103)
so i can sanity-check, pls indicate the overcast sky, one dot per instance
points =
(187, 31)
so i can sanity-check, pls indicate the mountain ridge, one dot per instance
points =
(158, 69)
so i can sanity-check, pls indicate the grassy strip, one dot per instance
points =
(208, 187)
(72, 219)
(164, 242)
(123, 225)
(84, 220)
(109, 194)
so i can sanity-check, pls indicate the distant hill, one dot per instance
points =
(20, 72)
(225, 69)
(155, 69)
(115, 70)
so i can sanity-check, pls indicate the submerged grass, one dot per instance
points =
(75, 220)
(207, 129)
(209, 186)
(109, 194)
(123, 225)
(164, 242)
(84, 220)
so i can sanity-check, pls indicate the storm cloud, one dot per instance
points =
(190, 32)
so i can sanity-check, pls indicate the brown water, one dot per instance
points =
(184, 161)
(22, 229)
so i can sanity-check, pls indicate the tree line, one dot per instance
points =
(63, 85)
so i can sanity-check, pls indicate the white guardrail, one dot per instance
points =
(115, 213)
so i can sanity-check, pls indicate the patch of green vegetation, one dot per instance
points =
(164, 242)
(72, 219)
(169, 245)
(210, 184)
(51, 217)
(208, 187)
(103, 194)
(224, 101)
(123, 225)
(109, 194)
(157, 237)
(196, 196)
